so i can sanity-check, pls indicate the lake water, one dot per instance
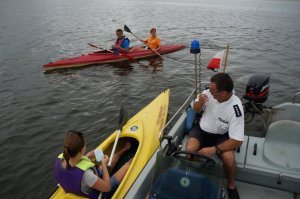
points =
(37, 109)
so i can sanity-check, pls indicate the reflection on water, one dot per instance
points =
(154, 64)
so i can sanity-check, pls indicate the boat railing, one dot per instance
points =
(184, 105)
(294, 98)
(161, 133)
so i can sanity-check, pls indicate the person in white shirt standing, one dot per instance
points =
(221, 127)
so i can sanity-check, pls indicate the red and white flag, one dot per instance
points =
(216, 61)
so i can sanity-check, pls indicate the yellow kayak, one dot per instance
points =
(142, 130)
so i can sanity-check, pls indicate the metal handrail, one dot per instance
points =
(180, 109)
(295, 97)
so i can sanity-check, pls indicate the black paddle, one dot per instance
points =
(123, 118)
(128, 30)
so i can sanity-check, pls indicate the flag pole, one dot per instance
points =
(225, 64)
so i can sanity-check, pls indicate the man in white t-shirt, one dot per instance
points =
(221, 128)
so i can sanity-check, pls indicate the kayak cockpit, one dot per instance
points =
(127, 155)
(106, 51)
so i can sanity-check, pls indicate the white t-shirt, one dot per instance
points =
(88, 180)
(219, 118)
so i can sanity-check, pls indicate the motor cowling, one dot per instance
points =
(257, 89)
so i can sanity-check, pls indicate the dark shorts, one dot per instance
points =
(207, 139)
(114, 184)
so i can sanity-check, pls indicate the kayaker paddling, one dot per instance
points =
(152, 42)
(122, 43)
(77, 174)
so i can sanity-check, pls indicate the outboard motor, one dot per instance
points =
(257, 92)
(257, 89)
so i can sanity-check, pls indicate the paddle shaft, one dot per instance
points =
(92, 45)
(114, 147)
(122, 120)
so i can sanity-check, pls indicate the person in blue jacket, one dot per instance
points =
(122, 43)
(77, 174)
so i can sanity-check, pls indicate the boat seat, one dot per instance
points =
(274, 161)
(286, 111)
(281, 147)
(176, 184)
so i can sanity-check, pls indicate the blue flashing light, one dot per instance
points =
(195, 47)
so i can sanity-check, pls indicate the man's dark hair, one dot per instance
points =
(119, 30)
(223, 82)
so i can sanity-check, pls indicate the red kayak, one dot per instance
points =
(104, 56)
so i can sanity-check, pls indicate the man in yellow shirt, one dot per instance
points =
(152, 42)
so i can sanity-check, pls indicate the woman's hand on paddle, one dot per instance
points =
(105, 160)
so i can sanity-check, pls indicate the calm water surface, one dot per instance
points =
(37, 109)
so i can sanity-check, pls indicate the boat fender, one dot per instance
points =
(189, 119)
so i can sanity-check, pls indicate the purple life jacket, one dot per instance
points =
(70, 179)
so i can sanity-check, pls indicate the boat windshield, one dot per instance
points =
(176, 177)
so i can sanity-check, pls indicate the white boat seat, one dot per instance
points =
(282, 145)
(286, 111)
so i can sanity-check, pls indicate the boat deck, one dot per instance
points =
(250, 191)
(259, 172)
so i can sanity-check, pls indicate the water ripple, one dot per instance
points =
(37, 109)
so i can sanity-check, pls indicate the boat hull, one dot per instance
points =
(143, 129)
(102, 57)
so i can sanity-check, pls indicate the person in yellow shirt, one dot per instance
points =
(152, 42)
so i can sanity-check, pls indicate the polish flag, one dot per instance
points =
(216, 61)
